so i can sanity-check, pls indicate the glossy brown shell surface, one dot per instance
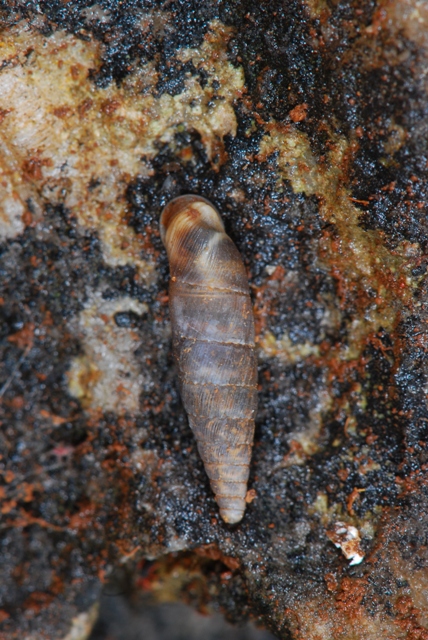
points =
(213, 342)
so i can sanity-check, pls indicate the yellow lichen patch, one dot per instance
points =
(406, 16)
(329, 511)
(12, 206)
(304, 439)
(79, 145)
(15, 193)
(294, 157)
(318, 9)
(320, 505)
(284, 349)
(107, 375)
(214, 119)
(371, 277)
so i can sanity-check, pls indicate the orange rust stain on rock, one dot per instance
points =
(353, 496)
(145, 583)
(57, 585)
(186, 154)
(62, 111)
(3, 114)
(85, 518)
(8, 506)
(407, 619)
(339, 370)
(26, 519)
(23, 339)
(110, 106)
(56, 420)
(76, 70)
(413, 482)
(343, 474)
(9, 476)
(212, 552)
(32, 167)
(84, 107)
(3, 615)
(25, 491)
(251, 495)
(350, 596)
(38, 600)
(299, 112)
(17, 402)
(27, 218)
(127, 549)
(331, 581)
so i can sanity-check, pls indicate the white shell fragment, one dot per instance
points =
(347, 538)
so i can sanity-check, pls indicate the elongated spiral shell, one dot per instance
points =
(213, 341)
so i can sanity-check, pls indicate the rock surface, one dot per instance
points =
(305, 123)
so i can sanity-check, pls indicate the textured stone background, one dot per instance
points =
(306, 123)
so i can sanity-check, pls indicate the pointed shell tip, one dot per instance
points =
(231, 516)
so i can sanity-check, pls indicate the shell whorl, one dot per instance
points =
(184, 212)
(213, 341)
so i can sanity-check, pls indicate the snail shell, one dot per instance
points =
(213, 342)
